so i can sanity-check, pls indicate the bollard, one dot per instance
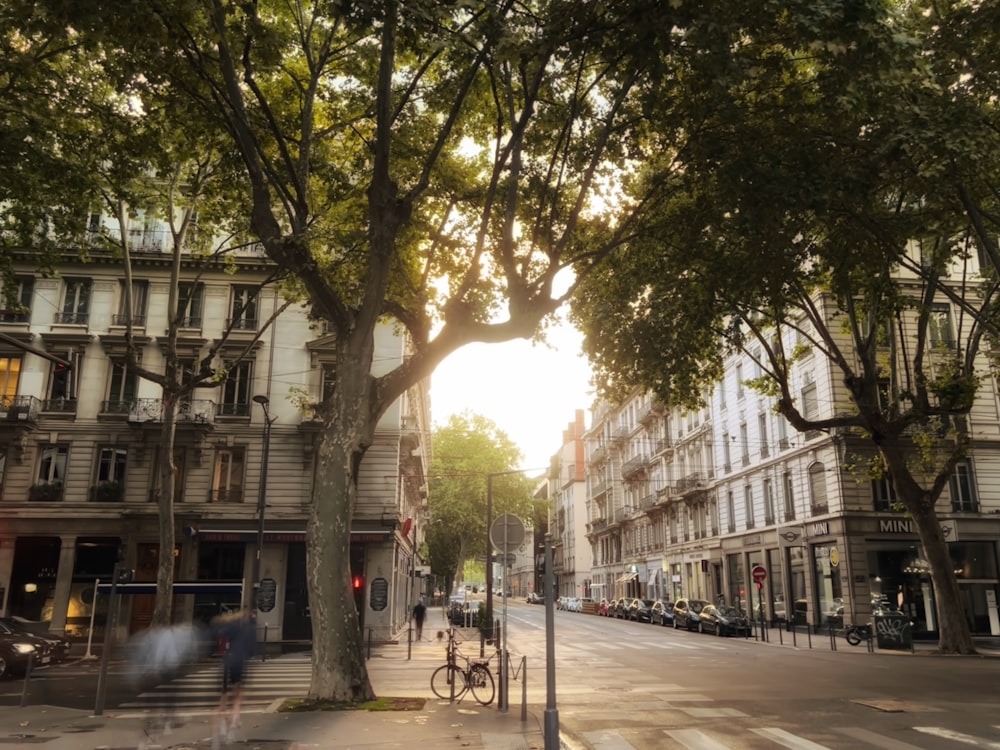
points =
(524, 688)
(27, 679)
(369, 656)
(263, 652)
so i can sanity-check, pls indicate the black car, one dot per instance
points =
(723, 620)
(662, 613)
(640, 610)
(619, 608)
(16, 649)
(58, 645)
(686, 613)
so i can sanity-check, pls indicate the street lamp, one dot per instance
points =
(264, 401)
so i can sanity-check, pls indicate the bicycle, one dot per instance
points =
(450, 681)
(475, 677)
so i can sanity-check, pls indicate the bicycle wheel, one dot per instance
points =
(444, 677)
(853, 637)
(481, 683)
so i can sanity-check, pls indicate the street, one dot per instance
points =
(623, 685)
(630, 686)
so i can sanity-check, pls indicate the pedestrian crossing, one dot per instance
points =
(198, 691)
(771, 738)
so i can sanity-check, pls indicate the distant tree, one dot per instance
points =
(466, 450)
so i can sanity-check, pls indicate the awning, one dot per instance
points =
(180, 587)
(627, 577)
(281, 537)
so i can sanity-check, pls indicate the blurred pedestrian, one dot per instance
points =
(158, 655)
(238, 631)
(419, 613)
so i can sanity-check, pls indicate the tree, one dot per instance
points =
(859, 210)
(437, 163)
(466, 450)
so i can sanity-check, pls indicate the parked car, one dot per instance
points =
(662, 613)
(620, 608)
(723, 620)
(640, 610)
(602, 607)
(534, 598)
(58, 645)
(686, 613)
(17, 648)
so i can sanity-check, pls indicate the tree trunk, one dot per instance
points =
(955, 636)
(165, 507)
(339, 671)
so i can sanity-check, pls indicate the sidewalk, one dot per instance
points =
(438, 725)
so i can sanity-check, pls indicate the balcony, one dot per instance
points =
(65, 406)
(663, 444)
(230, 495)
(142, 410)
(648, 501)
(20, 409)
(634, 465)
(138, 321)
(599, 453)
(46, 492)
(241, 324)
(598, 488)
(71, 318)
(15, 316)
(695, 481)
(107, 492)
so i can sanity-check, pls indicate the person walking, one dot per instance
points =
(238, 632)
(419, 613)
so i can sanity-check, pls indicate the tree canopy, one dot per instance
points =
(838, 186)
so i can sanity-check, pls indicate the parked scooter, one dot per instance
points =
(857, 634)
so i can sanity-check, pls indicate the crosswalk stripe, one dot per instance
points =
(951, 734)
(787, 739)
(693, 739)
(878, 740)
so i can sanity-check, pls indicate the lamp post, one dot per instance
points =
(264, 401)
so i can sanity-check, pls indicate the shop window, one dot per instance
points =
(830, 599)
(963, 489)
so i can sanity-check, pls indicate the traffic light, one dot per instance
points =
(358, 583)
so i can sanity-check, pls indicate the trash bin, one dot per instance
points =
(893, 632)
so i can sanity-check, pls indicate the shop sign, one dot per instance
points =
(820, 529)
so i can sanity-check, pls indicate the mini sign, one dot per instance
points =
(379, 599)
(266, 594)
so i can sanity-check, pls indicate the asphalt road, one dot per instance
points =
(622, 685)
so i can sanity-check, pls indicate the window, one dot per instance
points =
(745, 444)
(810, 408)
(939, 327)
(243, 310)
(122, 390)
(10, 372)
(727, 453)
(76, 303)
(17, 309)
(883, 493)
(190, 304)
(739, 381)
(51, 473)
(227, 479)
(963, 489)
(236, 391)
(782, 430)
(817, 488)
(722, 394)
(748, 505)
(762, 429)
(62, 387)
(768, 503)
(789, 497)
(110, 484)
(140, 301)
(731, 511)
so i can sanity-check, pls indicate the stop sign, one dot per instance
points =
(759, 574)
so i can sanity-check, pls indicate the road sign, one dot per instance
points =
(507, 533)
(759, 574)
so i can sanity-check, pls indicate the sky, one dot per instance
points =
(531, 391)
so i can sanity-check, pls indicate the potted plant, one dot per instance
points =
(46, 491)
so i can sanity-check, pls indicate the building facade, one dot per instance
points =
(79, 447)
